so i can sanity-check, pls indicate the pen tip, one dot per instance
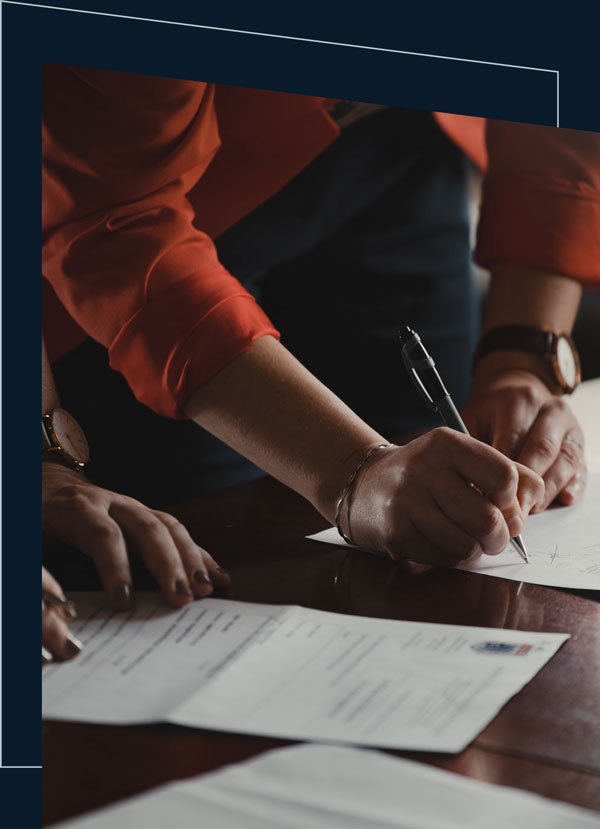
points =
(520, 548)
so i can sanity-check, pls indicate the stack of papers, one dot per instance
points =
(563, 544)
(330, 787)
(291, 672)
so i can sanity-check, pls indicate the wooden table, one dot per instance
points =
(545, 740)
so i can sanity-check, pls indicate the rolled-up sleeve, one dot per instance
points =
(541, 200)
(120, 152)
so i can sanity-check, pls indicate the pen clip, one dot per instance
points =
(410, 367)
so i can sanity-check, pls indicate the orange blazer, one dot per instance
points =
(141, 173)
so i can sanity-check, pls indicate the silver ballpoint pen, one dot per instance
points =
(422, 369)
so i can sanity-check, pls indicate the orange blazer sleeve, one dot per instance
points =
(541, 200)
(120, 153)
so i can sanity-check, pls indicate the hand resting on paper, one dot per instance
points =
(57, 641)
(515, 412)
(109, 527)
(416, 501)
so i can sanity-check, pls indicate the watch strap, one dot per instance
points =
(46, 442)
(516, 338)
(544, 344)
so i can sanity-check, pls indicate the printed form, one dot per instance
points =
(291, 672)
(335, 787)
(563, 544)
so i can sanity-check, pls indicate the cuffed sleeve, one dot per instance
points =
(541, 200)
(171, 347)
(119, 245)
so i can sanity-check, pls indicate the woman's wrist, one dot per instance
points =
(56, 475)
(343, 506)
(493, 366)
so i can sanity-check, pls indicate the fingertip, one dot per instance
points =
(72, 646)
(515, 525)
(122, 597)
(566, 497)
(178, 593)
(202, 583)
(540, 503)
(221, 577)
(177, 601)
(570, 494)
(532, 491)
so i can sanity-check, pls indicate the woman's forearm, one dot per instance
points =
(271, 409)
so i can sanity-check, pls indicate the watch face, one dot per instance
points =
(70, 436)
(566, 363)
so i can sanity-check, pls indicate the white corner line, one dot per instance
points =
(293, 37)
(272, 35)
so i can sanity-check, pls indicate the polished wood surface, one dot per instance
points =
(546, 739)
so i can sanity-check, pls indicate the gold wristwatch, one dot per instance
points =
(63, 439)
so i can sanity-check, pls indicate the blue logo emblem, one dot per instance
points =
(501, 647)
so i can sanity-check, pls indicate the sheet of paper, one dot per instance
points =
(292, 672)
(334, 787)
(563, 544)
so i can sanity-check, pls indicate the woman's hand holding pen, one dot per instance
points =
(416, 501)
(514, 411)
(108, 527)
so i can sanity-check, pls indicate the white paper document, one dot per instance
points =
(291, 672)
(563, 544)
(334, 787)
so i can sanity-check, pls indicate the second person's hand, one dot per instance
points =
(516, 413)
(57, 641)
(109, 527)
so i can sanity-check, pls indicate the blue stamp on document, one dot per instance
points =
(502, 648)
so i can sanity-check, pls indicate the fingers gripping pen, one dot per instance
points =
(425, 376)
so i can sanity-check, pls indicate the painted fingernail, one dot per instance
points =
(122, 597)
(222, 571)
(201, 577)
(70, 610)
(72, 645)
(46, 656)
(181, 588)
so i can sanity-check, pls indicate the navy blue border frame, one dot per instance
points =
(33, 34)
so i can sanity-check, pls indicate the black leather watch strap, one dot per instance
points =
(555, 353)
(46, 442)
(516, 337)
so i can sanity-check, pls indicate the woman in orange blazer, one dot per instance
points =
(142, 175)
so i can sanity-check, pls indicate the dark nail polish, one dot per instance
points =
(122, 597)
(202, 577)
(181, 588)
(70, 610)
(72, 645)
(222, 571)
